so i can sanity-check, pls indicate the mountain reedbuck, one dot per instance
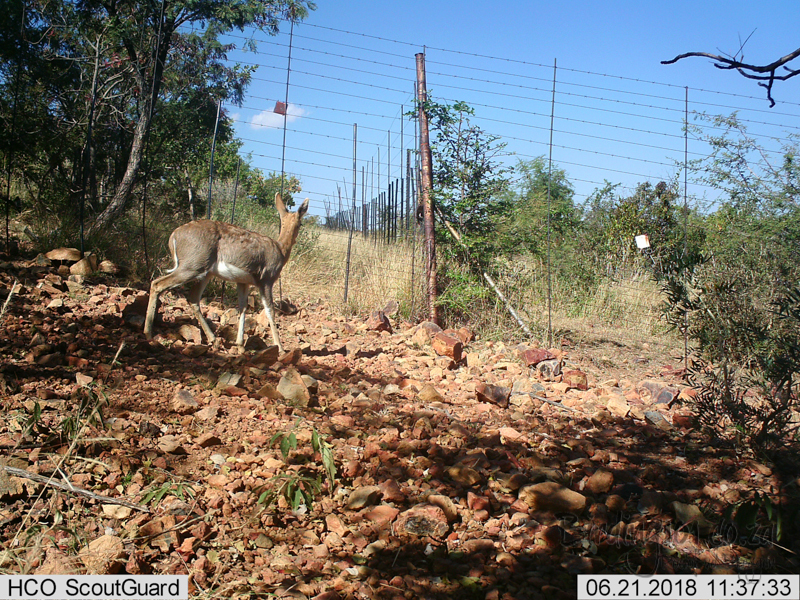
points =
(202, 250)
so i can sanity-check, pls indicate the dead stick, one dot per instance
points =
(11, 293)
(71, 489)
(486, 276)
(553, 402)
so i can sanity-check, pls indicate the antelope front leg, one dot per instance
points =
(266, 300)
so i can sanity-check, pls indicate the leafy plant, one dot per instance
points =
(180, 490)
(469, 180)
(91, 400)
(299, 487)
(758, 520)
(736, 298)
(748, 359)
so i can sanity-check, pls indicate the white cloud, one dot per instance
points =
(269, 118)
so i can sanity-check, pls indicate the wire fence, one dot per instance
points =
(600, 128)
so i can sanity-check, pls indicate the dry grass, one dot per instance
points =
(378, 272)
(626, 310)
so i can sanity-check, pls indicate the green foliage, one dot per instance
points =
(88, 402)
(465, 298)
(299, 487)
(736, 299)
(542, 201)
(325, 450)
(613, 221)
(469, 181)
(760, 520)
(69, 69)
(749, 352)
(168, 488)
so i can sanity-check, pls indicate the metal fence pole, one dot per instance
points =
(211, 164)
(352, 217)
(549, 213)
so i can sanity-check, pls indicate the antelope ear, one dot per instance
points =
(303, 208)
(279, 204)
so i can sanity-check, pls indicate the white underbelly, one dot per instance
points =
(232, 273)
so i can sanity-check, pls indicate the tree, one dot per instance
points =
(737, 300)
(147, 67)
(532, 212)
(762, 73)
(469, 181)
(98, 74)
(613, 222)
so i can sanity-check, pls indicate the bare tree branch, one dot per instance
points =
(48, 481)
(762, 73)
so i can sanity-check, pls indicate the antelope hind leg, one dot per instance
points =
(158, 286)
(194, 296)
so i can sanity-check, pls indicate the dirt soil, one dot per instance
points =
(464, 469)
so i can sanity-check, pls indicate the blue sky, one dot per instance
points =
(618, 112)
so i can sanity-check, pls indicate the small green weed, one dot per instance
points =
(180, 490)
(759, 520)
(299, 488)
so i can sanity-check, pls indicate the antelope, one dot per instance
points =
(202, 250)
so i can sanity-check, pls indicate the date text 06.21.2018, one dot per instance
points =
(681, 587)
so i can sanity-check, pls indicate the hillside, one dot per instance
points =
(501, 471)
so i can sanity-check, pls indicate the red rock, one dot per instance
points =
(335, 525)
(266, 357)
(423, 520)
(575, 379)
(494, 394)
(234, 391)
(207, 440)
(292, 357)
(65, 254)
(382, 514)
(378, 321)
(391, 491)
(600, 482)
(446, 345)
(475, 502)
(479, 545)
(427, 329)
(217, 481)
(551, 496)
(329, 595)
(533, 356)
(201, 531)
(465, 335)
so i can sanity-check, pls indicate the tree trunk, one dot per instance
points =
(190, 188)
(123, 193)
(427, 184)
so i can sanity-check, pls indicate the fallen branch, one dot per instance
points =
(486, 276)
(553, 402)
(70, 488)
(11, 293)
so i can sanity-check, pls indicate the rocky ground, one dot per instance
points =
(464, 469)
